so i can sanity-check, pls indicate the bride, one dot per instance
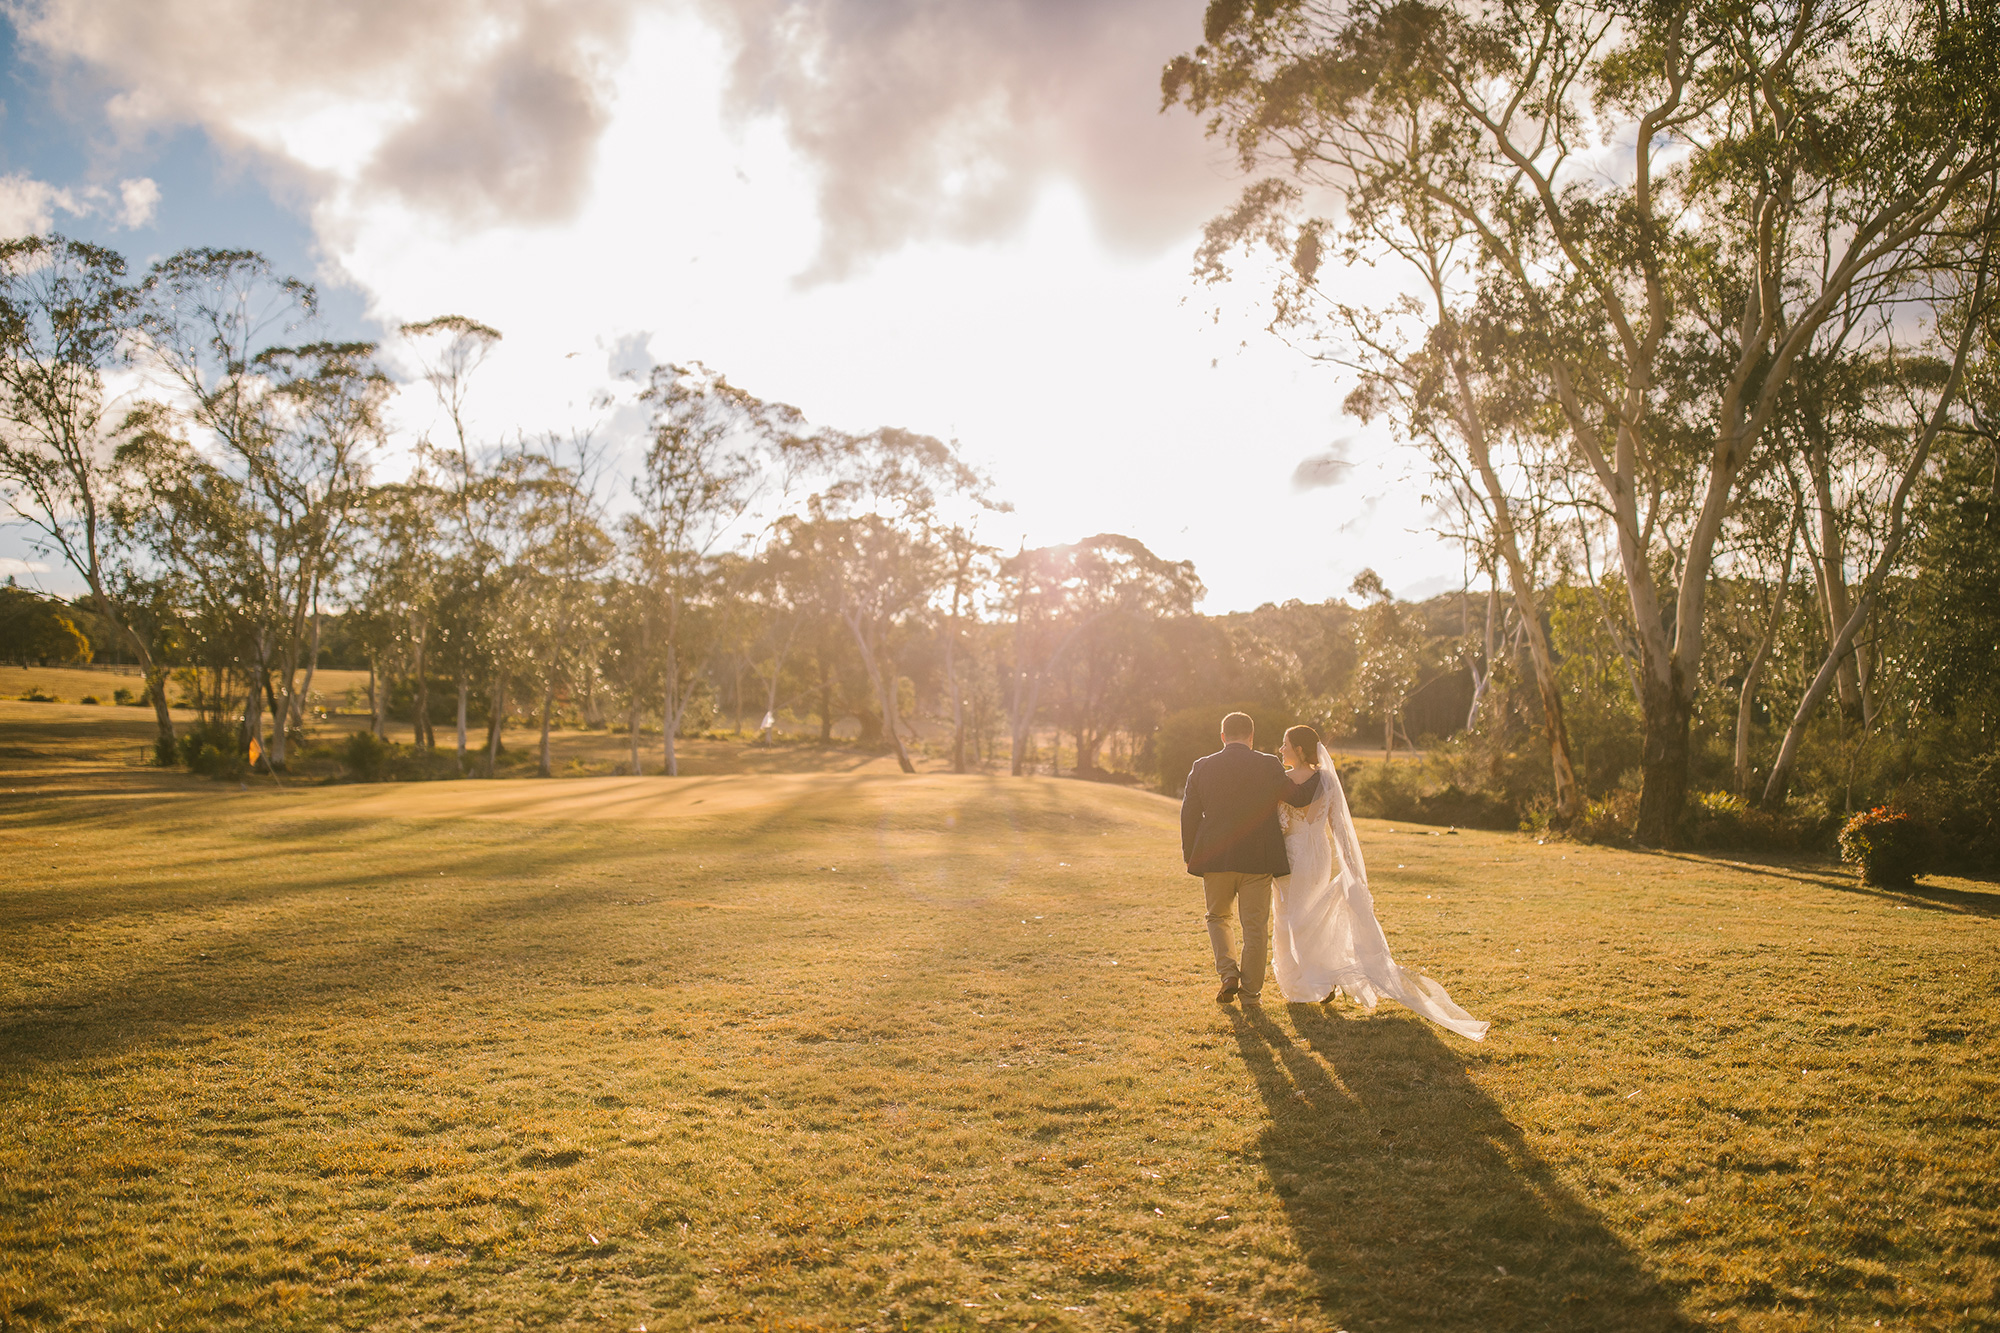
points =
(1325, 939)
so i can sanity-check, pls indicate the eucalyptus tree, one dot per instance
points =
(882, 527)
(399, 576)
(565, 548)
(888, 571)
(717, 454)
(1964, 308)
(65, 311)
(628, 613)
(1390, 645)
(1060, 598)
(1776, 606)
(449, 350)
(814, 587)
(1116, 599)
(775, 605)
(1646, 188)
(969, 569)
(269, 445)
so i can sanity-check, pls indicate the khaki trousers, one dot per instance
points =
(1252, 895)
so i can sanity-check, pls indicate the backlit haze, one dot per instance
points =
(968, 218)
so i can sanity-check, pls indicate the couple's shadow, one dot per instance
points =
(1415, 1201)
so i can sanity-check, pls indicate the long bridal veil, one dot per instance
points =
(1327, 940)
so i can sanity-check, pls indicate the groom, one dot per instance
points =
(1230, 837)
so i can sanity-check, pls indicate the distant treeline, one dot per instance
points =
(760, 573)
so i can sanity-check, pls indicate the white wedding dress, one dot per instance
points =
(1324, 938)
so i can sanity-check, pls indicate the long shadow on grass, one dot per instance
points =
(1414, 1200)
(1932, 897)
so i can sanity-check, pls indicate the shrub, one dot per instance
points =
(1719, 820)
(214, 750)
(366, 756)
(1189, 734)
(1959, 803)
(122, 696)
(90, 699)
(1452, 805)
(1382, 790)
(1891, 847)
(1397, 790)
(1611, 819)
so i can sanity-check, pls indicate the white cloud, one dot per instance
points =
(650, 191)
(138, 200)
(28, 206)
(14, 565)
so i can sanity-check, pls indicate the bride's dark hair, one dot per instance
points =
(1305, 740)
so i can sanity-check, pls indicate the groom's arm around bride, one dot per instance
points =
(1231, 839)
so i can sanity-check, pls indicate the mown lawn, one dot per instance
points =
(854, 1050)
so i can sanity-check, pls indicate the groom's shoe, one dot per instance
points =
(1228, 991)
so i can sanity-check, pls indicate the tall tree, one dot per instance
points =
(567, 550)
(894, 496)
(65, 310)
(717, 452)
(1062, 599)
(968, 568)
(1651, 188)
(288, 434)
(448, 351)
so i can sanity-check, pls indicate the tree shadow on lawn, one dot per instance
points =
(1414, 1200)
(301, 947)
(1929, 897)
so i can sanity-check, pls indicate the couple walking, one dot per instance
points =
(1256, 824)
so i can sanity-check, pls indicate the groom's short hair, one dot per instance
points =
(1238, 727)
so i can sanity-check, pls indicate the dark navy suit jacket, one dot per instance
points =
(1229, 817)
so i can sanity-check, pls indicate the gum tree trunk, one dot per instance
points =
(542, 769)
(1746, 698)
(1663, 762)
(1472, 428)
(419, 632)
(495, 726)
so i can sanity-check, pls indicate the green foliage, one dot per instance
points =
(1187, 735)
(214, 749)
(366, 756)
(1720, 820)
(1422, 793)
(1959, 801)
(1610, 819)
(1891, 846)
(40, 630)
(441, 703)
(1596, 682)
(1382, 790)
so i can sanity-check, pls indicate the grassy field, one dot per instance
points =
(851, 1050)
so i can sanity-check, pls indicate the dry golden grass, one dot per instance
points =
(866, 1051)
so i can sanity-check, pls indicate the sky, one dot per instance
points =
(968, 218)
